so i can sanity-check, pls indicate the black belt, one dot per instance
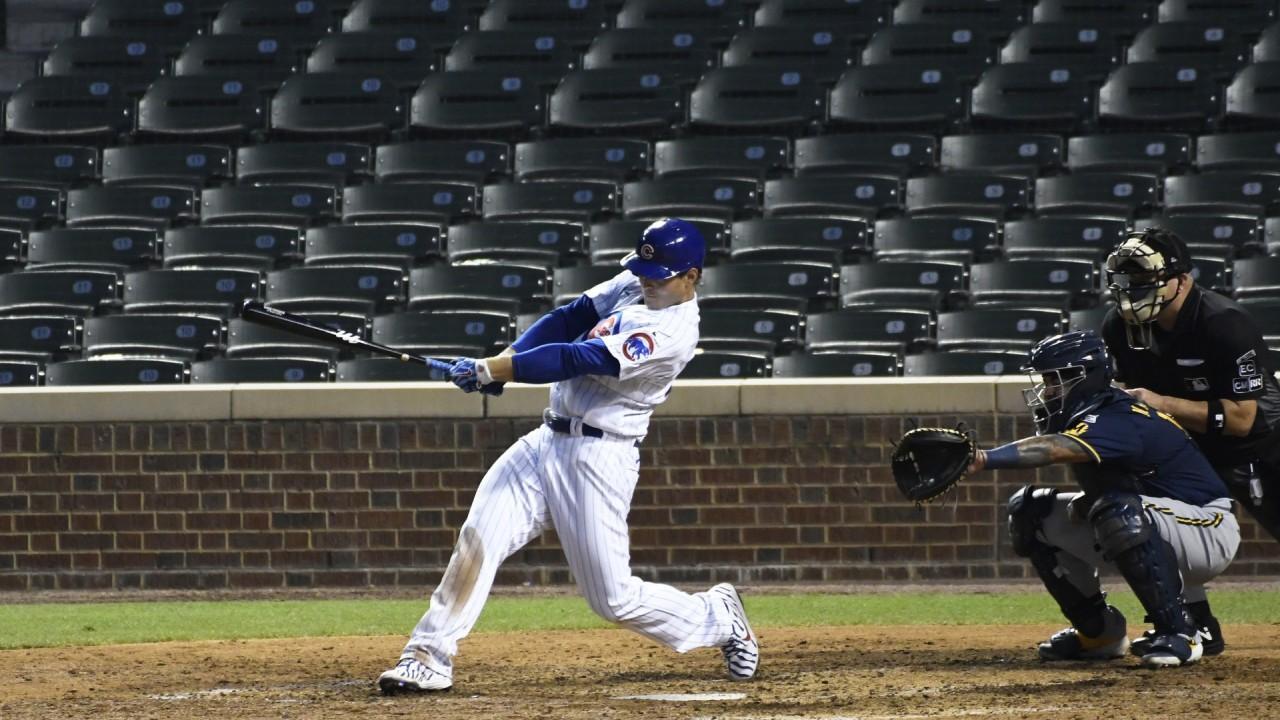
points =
(562, 424)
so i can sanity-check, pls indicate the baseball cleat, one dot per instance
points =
(409, 675)
(1172, 650)
(1210, 639)
(742, 652)
(1071, 644)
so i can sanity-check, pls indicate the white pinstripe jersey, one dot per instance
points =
(651, 346)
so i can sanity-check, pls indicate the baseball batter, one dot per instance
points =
(611, 356)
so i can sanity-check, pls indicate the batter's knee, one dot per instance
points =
(1119, 523)
(1028, 507)
(616, 606)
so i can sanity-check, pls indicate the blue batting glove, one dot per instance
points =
(463, 374)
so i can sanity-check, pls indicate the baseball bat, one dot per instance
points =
(254, 311)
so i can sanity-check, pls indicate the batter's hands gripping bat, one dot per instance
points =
(255, 311)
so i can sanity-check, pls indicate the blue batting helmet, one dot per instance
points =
(667, 248)
(1075, 369)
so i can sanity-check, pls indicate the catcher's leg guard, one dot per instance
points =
(1028, 507)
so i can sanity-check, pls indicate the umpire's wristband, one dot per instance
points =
(1215, 421)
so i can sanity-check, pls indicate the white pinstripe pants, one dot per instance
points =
(582, 487)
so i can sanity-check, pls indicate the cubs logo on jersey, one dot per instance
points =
(637, 346)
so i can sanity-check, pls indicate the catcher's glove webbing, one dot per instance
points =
(929, 461)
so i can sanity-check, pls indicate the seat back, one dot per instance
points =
(751, 156)
(838, 364)
(859, 19)
(251, 246)
(301, 22)
(291, 204)
(321, 162)
(1088, 237)
(750, 98)
(1168, 95)
(1012, 153)
(464, 159)
(626, 99)
(1157, 152)
(477, 101)
(255, 370)
(1088, 50)
(859, 328)
(1037, 95)
(671, 53)
(997, 18)
(896, 154)
(68, 107)
(962, 49)
(534, 54)
(399, 58)
(74, 291)
(937, 237)
(614, 159)
(395, 244)
(579, 200)
(502, 286)
(718, 196)
(926, 284)
(123, 371)
(538, 241)
(213, 290)
(898, 96)
(1058, 282)
(820, 53)
(200, 106)
(167, 164)
(263, 62)
(964, 362)
(1212, 46)
(168, 335)
(84, 247)
(998, 328)
(152, 205)
(336, 103)
(718, 20)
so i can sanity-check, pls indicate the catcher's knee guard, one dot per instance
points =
(1129, 539)
(1028, 508)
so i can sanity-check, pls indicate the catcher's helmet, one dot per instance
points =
(1075, 371)
(1138, 272)
(667, 248)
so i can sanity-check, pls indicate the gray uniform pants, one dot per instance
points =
(1204, 539)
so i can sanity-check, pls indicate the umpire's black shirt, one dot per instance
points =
(1214, 351)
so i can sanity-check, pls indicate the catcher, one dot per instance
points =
(1149, 504)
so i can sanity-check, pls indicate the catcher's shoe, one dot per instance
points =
(1172, 650)
(1210, 639)
(1071, 644)
(410, 675)
(742, 652)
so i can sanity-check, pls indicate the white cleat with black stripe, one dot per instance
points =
(412, 676)
(742, 652)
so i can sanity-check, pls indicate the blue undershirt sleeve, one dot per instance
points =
(561, 325)
(560, 361)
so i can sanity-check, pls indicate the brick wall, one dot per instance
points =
(312, 504)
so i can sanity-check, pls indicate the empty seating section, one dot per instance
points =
(886, 187)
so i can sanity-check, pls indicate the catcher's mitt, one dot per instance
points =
(929, 461)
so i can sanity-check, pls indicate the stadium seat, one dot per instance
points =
(568, 283)
(759, 330)
(750, 99)
(507, 288)
(898, 97)
(1084, 237)
(617, 100)
(571, 18)
(293, 204)
(1164, 96)
(1208, 45)
(713, 196)
(116, 371)
(533, 54)
(611, 241)
(107, 248)
(255, 370)
(795, 286)
(964, 362)
(1271, 234)
(937, 238)
(1088, 318)
(153, 19)
(180, 336)
(472, 161)
(59, 165)
(246, 339)
(818, 52)
(39, 337)
(1032, 96)
(1089, 51)
(261, 62)
(997, 328)
(1123, 17)
(1251, 96)
(964, 50)
(149, 205)
(997, 17)
(333, 163)
(203, 107)
(301, 22)
(678, 55)
(1213, 272)
(1100, 193)
(433, 18)
(615, 159)
(398, 58)
(860, 329)
(258, 247)
(1011, 153)
(1248, 191)
(537, 242)
(477, 102)
(980, 194)
(1246, 15)
(216, 291)
(838, 364)
(132, 63)
(579, 200)
(896, 154)
(71, 292)
(386, 369)
(57, 108)
(1267, 48)
(747, 156)
(923, 284)
(187, 165)
(21, 373)
(1153, 152)
(727, 365)
(1257, 278)
(833, 194)
(361, 289)
(1238, 151)
(1057, 283)
(30, 205)
(859, 19)
(717, 20)
(1213, 233)
(827, 239)
(393, 244)
(11, 248)
(337, 105)
(450, 334)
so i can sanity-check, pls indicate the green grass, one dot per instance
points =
(59, 624)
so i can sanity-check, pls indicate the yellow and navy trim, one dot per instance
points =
(1210, 522)
(1096, 457)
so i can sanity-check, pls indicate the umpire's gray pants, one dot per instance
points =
(1204, 538)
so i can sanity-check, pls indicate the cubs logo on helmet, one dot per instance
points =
(637, 346)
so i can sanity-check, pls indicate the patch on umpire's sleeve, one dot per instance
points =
(1246, 384)
(637, 346)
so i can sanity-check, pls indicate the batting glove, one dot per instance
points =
(470, 375)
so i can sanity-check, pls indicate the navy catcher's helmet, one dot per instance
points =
(1138, 271)
(667, 248)
(1075, 371)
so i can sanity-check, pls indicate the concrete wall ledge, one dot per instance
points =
(689, 398)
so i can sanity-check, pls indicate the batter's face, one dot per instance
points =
(659, 294)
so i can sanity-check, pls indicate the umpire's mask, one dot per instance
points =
(1074, 370)
(1139, 274)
